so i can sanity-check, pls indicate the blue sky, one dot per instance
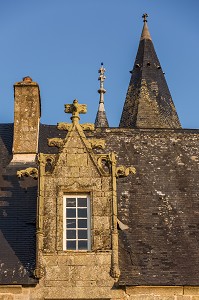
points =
(61, 43)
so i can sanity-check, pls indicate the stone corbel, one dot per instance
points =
(32, 172)
(55, 142)
(39, 273)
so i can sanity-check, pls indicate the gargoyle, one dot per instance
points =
(32, 172)
(55, 142)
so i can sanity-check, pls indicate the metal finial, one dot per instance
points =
(145, 16)
(101, 78)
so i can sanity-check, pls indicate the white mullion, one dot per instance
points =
(64, 224)
(76, 225)
(88, 227)
(88, 223)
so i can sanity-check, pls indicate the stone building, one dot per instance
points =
(93, 212)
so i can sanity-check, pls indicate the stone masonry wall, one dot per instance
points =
(91, 292)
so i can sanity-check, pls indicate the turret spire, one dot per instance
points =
(145, 32)
(148, 101)
(101, 119)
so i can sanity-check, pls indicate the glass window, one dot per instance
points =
(76, 222)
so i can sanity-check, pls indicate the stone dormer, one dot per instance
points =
(27, 112)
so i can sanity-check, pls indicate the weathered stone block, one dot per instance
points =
(148, 290)
(183, 298)
(57, 273)
(51, 260)
(101, 223)
(77, 160)
(12, 289)
(191, 291)
(7, 297)
(66, 260)
(151, 297)
(106, 184)
(102, 206)
(84, 283)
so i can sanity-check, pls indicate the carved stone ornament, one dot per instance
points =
(39, 272)
(103, 162)
(47, 161)
(97, 143)
(122, 171)
(88, 126)
(115, 271)
(75, 108)
(64, 126)
(55, 142)
(32, 172)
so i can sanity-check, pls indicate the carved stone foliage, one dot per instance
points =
(32, 172)
(97, 143)
(55, 142)
(122, 171)
(106, 160)
(68, 126)
(64, 126)
(103, 162)
(88, 126)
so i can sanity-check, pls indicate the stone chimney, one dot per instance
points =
(27, 112)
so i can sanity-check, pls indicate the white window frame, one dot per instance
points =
(76, 218)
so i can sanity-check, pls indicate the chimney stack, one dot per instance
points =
(27, 112)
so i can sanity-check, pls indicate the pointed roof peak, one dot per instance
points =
(145, 31)
(148, 101)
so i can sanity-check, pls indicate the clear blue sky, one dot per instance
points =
(61, 43)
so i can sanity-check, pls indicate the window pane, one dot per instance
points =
(82, 202)
(71, 234)
(71, 223)
(82, 245)
(70, 212)
(76, 222)
(71, 245)
(82, 234)
(82, 212)
(82, 223)
(71, 202)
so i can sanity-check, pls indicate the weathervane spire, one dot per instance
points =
(101, 119)
(101, 78)
(145, 16)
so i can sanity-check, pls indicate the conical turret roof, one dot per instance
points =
(148, 101)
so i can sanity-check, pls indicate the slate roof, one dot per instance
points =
(17, 217)
(159, 204)
(101, 119)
